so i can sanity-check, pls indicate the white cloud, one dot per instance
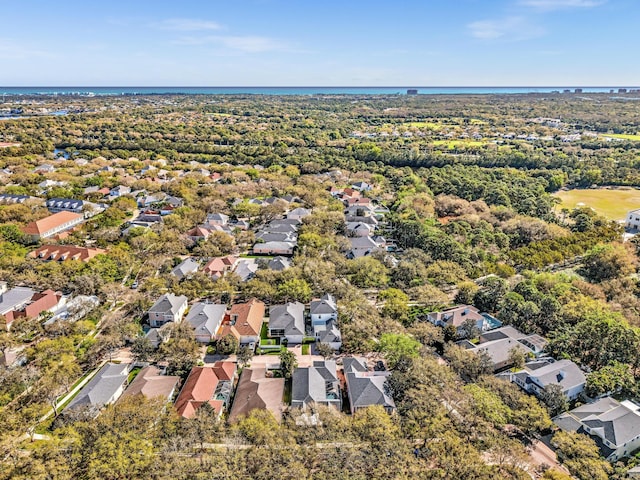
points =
(508, 28)
(548, 5)
(241, 43)
(187, 25)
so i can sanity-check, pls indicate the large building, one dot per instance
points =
(613, 425)
(63, 253)
(52, 225)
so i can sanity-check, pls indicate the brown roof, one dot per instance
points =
(199, 232)
(151, 384)
(256, 391)
(49, 223)
(200, 387)
(250, 316)
(65, 252)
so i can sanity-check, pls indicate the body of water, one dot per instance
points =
(100, 91)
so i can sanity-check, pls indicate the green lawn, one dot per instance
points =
(623, 136)
(133, 373)
(611, 203)
(429, 125)
(458, 143)
(306, 350)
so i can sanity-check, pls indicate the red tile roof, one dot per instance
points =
(46, 224)
(65, 252)
(200, 387)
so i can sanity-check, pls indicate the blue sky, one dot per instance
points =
(327, 43)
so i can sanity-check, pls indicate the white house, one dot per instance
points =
(538, 374)
(633, 220)
(206, 319)
(168, 308)
(614, 425)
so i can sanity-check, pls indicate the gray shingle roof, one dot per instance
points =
(366, 388)
(169, 303)
(563, 372)
(188, 266)
(288, 317)
(102, 387)
(617, 422)
(205, 318)
(325, 305)
(318, 384)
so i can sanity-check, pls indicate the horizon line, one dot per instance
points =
(317, 86)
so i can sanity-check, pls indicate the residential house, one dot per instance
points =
(158, 336)
(246, 268)
(63, 253)
(55, 205)
(298, 213)
(329, 334)
(8, 199)
(218, 219)
(48, 184)
(168, 308)
(44, 168)
(538, 374)
(244, 322)
(287, 322)
(277, 236)
(39, 303)
(199, 233)
(186, 268)
(364, 246)
(632, 221)
(274, 248)
(217, 267)
(152, 384)
(366, 388)
(212, 385)
(52, 225)
(360, 229)
(257, 391)
(322, 310)
(361, 186)
(279, 264)
(206, 319)
(613, 425)
(103, 389)
(316, 385)
(498, 345)
(458, 316)
(119, 191)
(15, 298)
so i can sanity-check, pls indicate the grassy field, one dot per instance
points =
(458, 143)
(429, 125)
(623, 136)
(613, 204)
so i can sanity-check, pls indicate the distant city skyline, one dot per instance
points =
(349, 43)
